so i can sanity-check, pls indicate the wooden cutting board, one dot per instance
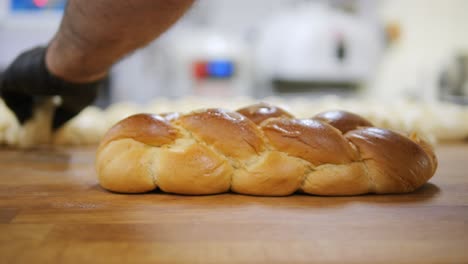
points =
(53, 211)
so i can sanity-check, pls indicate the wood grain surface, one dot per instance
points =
(53, 211)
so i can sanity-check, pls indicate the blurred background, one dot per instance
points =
(385, 49)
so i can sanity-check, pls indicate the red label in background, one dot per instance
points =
(200, 70)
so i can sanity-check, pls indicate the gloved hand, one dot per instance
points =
(27, 82)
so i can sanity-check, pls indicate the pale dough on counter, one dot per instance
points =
(435, 121)
(85, 129)
(36, 131)
(119, 111)
(7, 123)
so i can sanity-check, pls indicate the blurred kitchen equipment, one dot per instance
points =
(213, 51)
(316, 46)
(230, 48)
(454, 81)
(210, 63)
(25, 24)
(186, 61)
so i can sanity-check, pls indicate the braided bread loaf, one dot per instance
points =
(260, 150)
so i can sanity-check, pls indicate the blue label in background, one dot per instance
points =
(37, 5)
(220, 69)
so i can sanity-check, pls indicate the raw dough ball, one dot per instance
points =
(119, 111)
(85, 129)
(8, 124)
(36, 131)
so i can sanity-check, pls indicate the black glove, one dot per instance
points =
(27, 82)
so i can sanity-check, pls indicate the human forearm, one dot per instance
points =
(94, 34)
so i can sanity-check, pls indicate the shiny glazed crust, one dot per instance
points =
(260, 150)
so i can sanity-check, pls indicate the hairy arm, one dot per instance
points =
(94, 34)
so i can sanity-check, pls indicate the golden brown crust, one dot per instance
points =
(427, 148)
(311, 140)
(274, 174)
(396, 163)
(229, 132)
(262, 111)
(214, 151)
(125, 166)
(149, 129)
(192, 169)
(343, 120)
(342, 179)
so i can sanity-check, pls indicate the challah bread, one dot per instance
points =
(343, 120)
(260, 150)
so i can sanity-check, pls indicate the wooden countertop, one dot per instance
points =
(53, 211)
